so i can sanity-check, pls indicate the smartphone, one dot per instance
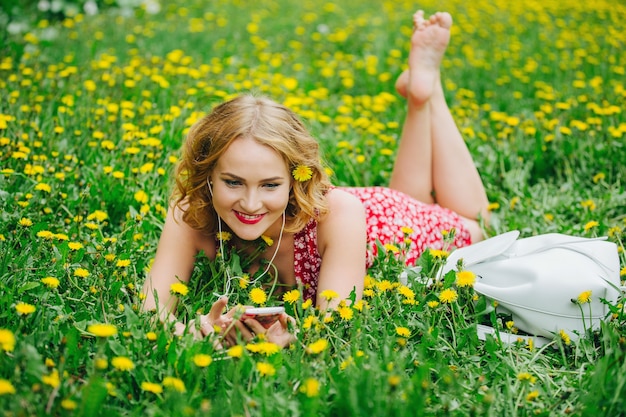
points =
(264, 315)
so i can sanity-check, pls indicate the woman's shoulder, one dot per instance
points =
(178, 229)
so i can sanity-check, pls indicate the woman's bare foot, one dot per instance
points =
(428, 44)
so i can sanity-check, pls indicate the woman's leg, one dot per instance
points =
(449, 177)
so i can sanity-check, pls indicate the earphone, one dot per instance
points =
(229, 278)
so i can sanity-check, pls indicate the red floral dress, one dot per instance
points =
(388, 212)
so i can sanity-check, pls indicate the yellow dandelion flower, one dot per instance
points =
(433, 304)
(406, 230)
(265, 369)
(122, 363)
(122, 263)
(223, 236)
(24, 309)
(258, 296)
(317, 347)
(265, 348)
(52, 379)
(291, 296)
(308, 303)
(346, 313)
(174, 383)
(50, 282)
(590, 225)
(102, 329)
(6, 387)
(565, 337)
(81, 273)
(329, 294)
(7, 340)
(389, 247)
(302, 173)
(235, 351)
(438, 254)
(201, 360)
(24, 222)
(465, 278)
(448, 296)
(532, 396)
(101, 363)
(244, 281)
(179, 288)
(584, 297)
(309, 321)
(525, 376)
(310, 387)
(406, 291)
(151, 387)
(43, 187)
(403, 331)
(151, 336)
(394, 380)
(268, 240)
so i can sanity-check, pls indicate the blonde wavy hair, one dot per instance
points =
(270, 124)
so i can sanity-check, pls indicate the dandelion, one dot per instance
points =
(590, 225)
(151, 387)
(291, 296)
(329, 294)
(43, 187)
(403, 331)
(75, 246)
(309, 321)
(346, 313)
(310, 387)
(265, 348)
(101, 363)
(406, 292)
(102, 329)
(265, 369)
(68, 404)
(179, 288)
(565, 337)
(389, 247)
(244, 281)
(81, 273)
(6, 387)
(258, 296)
(465, 278)
(317, 347)
(202, 360)
(7, 340)
(394, 380)
(406, 230)
(151, 336)
(584, 297)
(302, 173)
(448, 296)
(223, 236)
(432, 304)
(50, 282)
(308, 303)
(122, 263)
(52, 379)
(174, 383)
(268, 240)
(438, 254)
(25, 222)
(122, 363)
(235, 351)
(525, 376)
(24, 309)
(532, 396)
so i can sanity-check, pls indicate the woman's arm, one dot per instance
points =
(174, 261)
(342, 241)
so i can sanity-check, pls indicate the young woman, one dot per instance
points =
(250, 168)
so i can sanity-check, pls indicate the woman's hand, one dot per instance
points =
(278, 333)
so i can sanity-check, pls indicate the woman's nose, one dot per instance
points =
(251, 202)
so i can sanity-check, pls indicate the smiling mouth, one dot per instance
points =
(248, 218)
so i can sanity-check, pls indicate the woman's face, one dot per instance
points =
(251, 185)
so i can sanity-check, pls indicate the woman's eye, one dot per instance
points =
(271, 185)
(232, 183)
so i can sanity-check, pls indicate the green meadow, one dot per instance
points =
(93, 111)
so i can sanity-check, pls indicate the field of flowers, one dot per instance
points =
(93, 109)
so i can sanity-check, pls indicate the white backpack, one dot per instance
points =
(538, 279)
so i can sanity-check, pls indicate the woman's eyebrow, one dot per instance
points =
(237, 177)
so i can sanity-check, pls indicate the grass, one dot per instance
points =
(92, 115)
